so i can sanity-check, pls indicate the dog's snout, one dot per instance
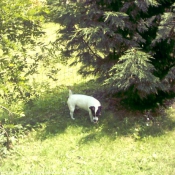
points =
(95, 120)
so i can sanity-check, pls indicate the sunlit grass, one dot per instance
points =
(68, 153)
(115, 145)
(51, 72)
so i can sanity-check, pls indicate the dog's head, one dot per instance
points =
(96, 112)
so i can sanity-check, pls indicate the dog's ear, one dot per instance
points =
(100, 108)
(92, 108)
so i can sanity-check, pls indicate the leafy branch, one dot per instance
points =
(3, 107)
(3, 131)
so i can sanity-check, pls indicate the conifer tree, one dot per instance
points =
(134, 39)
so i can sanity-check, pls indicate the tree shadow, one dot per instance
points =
(124, 123)
(49, 115)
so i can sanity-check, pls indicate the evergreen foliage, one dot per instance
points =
(134, 73)
(134, 39)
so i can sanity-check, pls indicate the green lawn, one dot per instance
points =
(120, 143)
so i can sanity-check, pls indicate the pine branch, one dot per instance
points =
(93, 53)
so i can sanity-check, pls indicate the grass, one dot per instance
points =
(120, 144)
(77, 151)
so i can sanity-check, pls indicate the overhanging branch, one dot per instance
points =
(93, 53)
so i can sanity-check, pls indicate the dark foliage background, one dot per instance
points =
(128, 44)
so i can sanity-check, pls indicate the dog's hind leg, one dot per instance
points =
(71, 109)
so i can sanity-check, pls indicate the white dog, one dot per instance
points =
(88, 103)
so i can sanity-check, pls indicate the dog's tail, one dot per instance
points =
(70, 93)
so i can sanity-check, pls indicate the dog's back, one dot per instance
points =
(82, 101)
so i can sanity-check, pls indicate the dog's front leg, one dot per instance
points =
(90, 115)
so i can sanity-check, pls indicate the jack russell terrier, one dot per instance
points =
(85, 102)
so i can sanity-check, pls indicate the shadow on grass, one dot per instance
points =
(127, 124)
(49, 115)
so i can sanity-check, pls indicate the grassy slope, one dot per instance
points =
(88, 150)
(120, 143)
